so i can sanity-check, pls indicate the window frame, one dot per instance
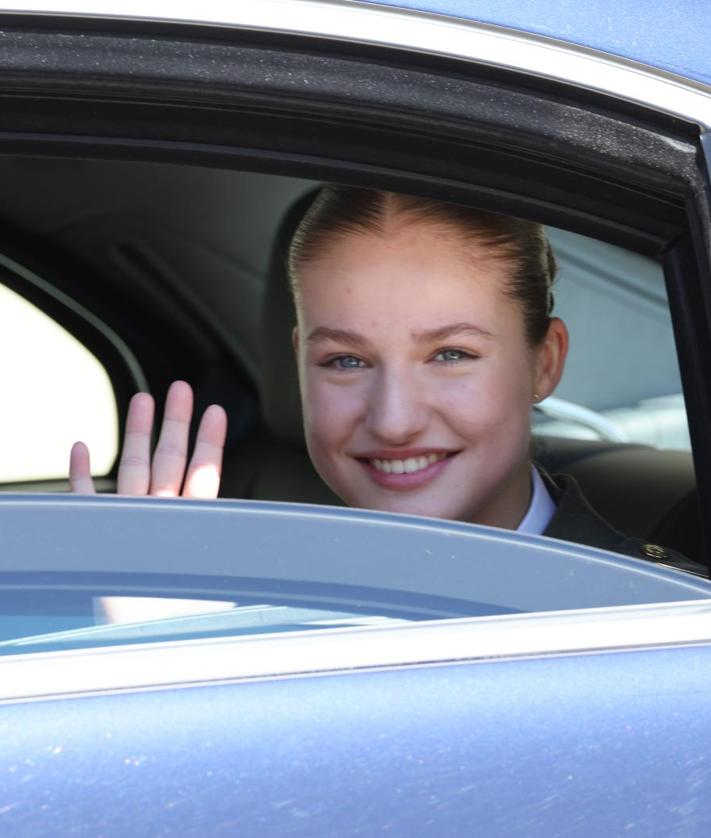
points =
(424, 123)
(35, 280)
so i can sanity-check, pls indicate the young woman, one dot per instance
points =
(424, 335)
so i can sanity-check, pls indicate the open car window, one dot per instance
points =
(622, 380)
(55, 392)
(621, 393)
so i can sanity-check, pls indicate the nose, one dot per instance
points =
(397, 407)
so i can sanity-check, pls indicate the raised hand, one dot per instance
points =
(165, 475)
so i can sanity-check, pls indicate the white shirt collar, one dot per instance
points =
(541, 508)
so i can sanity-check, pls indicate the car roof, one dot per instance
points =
(672, 35)
(661, 60)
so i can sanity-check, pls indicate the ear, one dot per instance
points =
(295, 339)
(550, 359)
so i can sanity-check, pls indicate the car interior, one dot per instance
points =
(164, 271)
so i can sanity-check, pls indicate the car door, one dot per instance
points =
(539, 724)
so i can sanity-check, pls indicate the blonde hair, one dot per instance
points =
(341, 211)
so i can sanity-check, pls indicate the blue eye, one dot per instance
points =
(449, 355)
(346, 362)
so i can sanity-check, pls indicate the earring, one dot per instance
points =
(536, 397)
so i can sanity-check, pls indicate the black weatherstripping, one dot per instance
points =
(327, 116)
(687, 265)
(706, 153)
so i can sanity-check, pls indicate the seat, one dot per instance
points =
(273, 464)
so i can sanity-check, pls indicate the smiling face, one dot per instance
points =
(416, 376)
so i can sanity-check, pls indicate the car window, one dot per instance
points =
(622, 367)
(621, 384)
(48, 374)
(253, 569)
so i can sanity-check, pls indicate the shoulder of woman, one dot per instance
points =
(639, 549)
(575, 520)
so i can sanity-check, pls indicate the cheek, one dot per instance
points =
(331, 412)
(495, 403)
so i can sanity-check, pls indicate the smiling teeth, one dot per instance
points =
(408, 466)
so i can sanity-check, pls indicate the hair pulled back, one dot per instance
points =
(340, 211)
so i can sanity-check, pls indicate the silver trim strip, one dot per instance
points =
(184, 663)
(418, 32)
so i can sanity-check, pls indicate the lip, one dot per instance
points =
(405, 482)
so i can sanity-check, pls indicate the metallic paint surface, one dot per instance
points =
(670, 34)
(602, 744)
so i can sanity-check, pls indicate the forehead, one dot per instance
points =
(413, 264)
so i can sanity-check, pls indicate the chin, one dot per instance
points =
(405, 505)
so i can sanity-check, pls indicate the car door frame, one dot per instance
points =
(591, 158)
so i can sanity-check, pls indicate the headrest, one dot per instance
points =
(279, 386)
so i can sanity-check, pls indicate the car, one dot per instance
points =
(259, 663)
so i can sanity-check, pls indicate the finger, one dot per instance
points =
(203, 478)
(135, 466)
(171, 454)
(80, 480)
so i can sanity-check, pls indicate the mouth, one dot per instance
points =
(406, 472)
(411, 465)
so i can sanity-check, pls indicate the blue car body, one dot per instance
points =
(590, 719)
(576, 700)
(669, 35)
(493, 748)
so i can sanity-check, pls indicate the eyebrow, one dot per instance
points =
(337, 335)
(323, 333)
(444, 332)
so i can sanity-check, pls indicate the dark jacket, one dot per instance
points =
(575, 520)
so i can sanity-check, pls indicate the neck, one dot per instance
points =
(510, 504)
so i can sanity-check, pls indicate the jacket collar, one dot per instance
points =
(575, 520)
